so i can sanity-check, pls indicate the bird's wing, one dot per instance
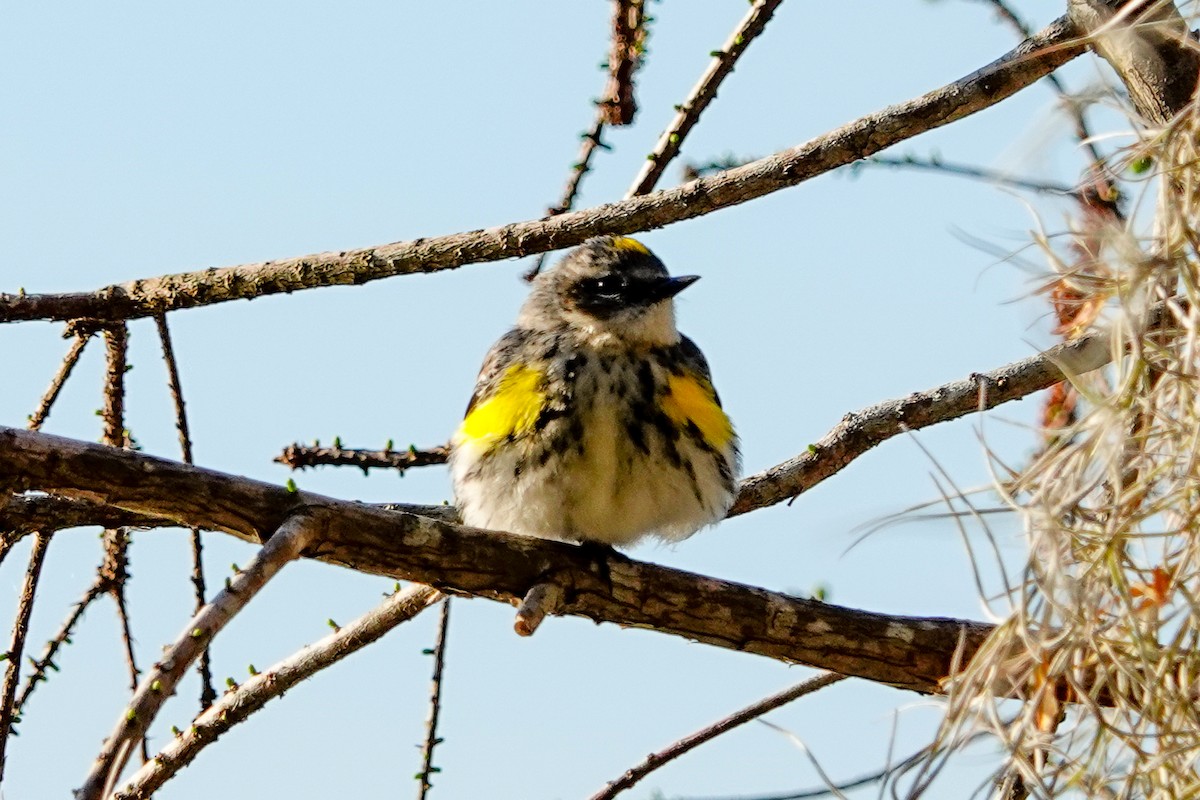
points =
(695, 363)
(497, 360)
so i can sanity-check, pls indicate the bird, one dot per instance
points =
(593, 420)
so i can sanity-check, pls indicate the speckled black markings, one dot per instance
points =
(637, 434)
(646, 379)
(574, 364)
(575, 434)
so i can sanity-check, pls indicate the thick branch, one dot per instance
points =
(913, 653)
(1148, 43)
(1033, 59)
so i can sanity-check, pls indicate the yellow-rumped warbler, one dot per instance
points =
(594, 420)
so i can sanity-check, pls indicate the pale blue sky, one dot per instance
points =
(142, 138)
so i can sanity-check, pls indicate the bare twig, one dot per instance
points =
(239, 704)
(864, 137)
(704, 92)
(619, 106)
(936, 164)
(38, 417)
(113, 574)
(832, 789)
(1070, 102)
(432, 740)
(116, 344)
(207, 693)
(61, 637)
(542, 600)
(159, 683)
(692, 741)
(16, 646)
(299, 456)
(583, 165)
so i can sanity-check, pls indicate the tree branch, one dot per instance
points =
(239, 704)
(704, 92)
(913, 653)
(859, 432)
(292, 536)
(432, 740)
(1148, 43)
(694, 740)
(16, 647)
(299, 456)
(1030, 61)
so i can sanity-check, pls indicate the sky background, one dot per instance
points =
(140, 138)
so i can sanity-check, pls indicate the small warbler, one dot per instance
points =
(594, 420)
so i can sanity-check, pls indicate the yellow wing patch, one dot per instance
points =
(627, 243)
(512, 409)
(690, 399)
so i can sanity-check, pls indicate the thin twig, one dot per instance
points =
(11, 534)
(239, 704)
(285, 545)
(207, 693)
(704, 92)
(828, 790)
(114, 572)
(116, 344)
(299, 456)
(61, 637)
(38, 417)
(16, 646)
(692, 741)
(936, 164)
(1031, 60)
(1069, 101)
(619, 105)
(583, 165)
(432, 740)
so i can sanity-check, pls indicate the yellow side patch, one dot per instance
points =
(690, 399)
(626, 243)
(512, 409)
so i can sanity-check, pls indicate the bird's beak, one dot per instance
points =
(669, 287)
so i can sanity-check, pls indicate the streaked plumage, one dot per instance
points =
(594, 419)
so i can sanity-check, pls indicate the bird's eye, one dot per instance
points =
(604, 286)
